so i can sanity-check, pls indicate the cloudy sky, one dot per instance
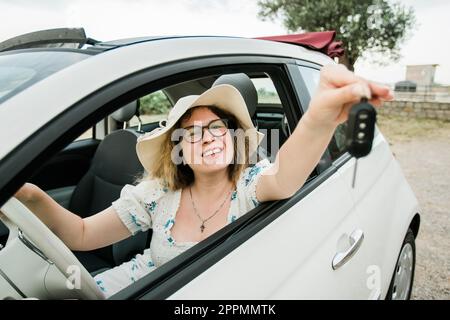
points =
(113, 19)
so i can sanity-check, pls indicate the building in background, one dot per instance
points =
(419, 85)
(422, 75)
(419, 96)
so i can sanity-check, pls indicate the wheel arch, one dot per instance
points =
(415, 224)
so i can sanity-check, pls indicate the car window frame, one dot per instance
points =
(327, 159)
(193, 262)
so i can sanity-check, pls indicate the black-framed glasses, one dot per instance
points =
(217, 128)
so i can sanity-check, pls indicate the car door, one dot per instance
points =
(366, 222)
(376, 186)
(384, 202)
(308, 249)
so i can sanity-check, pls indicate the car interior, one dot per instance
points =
(88, 175)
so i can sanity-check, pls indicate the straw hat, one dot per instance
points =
(224, 96)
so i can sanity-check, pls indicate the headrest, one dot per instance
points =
(127, 112)
(115, 159)
(245, 86)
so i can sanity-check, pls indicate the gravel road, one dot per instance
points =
(423, 149)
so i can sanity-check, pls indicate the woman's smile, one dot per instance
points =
(212, 152)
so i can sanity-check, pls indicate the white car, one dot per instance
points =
(329, 241)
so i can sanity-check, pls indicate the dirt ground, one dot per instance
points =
(423, 149)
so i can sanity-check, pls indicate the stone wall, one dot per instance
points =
(417, 109)
(424, 96)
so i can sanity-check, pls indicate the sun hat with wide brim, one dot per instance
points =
(224, 96)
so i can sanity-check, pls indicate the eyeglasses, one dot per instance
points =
(217, 128)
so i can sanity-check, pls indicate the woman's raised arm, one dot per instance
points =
(339, 89)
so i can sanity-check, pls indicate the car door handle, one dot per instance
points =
(341, 258)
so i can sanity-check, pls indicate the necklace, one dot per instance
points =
(202, 226)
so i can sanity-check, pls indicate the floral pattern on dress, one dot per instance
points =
(134, 268)
(249, 181)
(150, 207)
(252, 173)
(100, 285)
(135, 220)
(169, 223)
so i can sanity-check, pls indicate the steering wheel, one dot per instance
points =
(19, 216)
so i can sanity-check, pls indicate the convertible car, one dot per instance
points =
(72, 108)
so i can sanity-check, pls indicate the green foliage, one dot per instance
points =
(378, 26)
(265, 96)
(155, 103)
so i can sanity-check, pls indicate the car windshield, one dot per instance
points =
(20, 70)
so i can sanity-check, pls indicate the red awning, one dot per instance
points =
(319, 41)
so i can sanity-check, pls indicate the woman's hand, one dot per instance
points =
(339, 89)
(27, 193)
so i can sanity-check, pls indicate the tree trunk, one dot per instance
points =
(346, 61)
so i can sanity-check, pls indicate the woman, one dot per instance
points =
(207, 182)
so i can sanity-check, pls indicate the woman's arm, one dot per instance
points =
(339, 89)
(96, 231)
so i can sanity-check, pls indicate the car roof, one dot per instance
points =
(75, 38)
(126, 59)
(114, 44)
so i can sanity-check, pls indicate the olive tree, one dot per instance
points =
(376, 26)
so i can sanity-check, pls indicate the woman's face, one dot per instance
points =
(211, 152)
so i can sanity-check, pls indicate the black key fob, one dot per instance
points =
(360, 129)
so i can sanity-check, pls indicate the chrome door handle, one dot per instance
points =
(341, 258)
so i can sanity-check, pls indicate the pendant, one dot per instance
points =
(202, 227)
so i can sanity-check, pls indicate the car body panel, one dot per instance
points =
(385, 221)
(291, 257)
(379, 176)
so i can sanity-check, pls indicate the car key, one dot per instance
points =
(360, 131)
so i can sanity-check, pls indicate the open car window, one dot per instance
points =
(69, 187)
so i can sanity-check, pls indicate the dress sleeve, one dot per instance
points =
(248, 181)
(137, 204)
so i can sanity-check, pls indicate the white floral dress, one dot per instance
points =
(151, 205)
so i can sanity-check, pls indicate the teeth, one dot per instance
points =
(212, 151)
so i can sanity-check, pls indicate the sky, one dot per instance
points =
(114, 19)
